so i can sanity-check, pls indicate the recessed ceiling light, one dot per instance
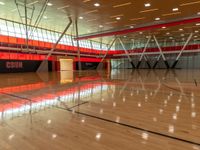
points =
(182, 35)
(198, 24)
(164, 27)
(141, 32)
(170, 37)
(196, 31)
(96, 4)
(195, 36)
(45, 17)
(131, 27)
(180, 29)
(80, 17)
(198, 13)
(157, 19)
(175, 9)
(125, 36)
(2, 3)
(100, 26)
(118, 18)
(168, 33)
(49, 4)
(147, 5)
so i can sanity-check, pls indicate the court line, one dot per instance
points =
(70, 108)
(16, 96)
(111, 121)
(133, 127)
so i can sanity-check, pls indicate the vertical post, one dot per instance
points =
(179, 55)
(157, 60)
(127, 53)
(133, 41)
(44, 65)
(143, 52)
(161, 53)
(26, 22)
(147, 62)
(98, 67)
(78, 47)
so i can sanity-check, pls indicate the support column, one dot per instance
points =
(179, 55)
(112, 43)
(161, 53)
(147, 62)
(44, 65)
(127, 53)
(143, 53)
(155, 64)
(78, 46)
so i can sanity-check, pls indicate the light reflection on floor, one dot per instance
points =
(140, 109)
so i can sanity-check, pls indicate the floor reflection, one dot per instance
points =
(163, 101)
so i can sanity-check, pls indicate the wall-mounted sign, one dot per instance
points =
(16, 65)
(9, 66)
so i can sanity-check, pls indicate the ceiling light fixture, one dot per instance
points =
(180, 29)
(134, 19)
(118, 18)
(80, 17)
(49, 4)
(198, 24)
(157, 19)
(149, 10)
(170, 14)
(2, 3)
(96, 4)
(175, 9)
(100, 26)
(164, 27)
(121, 5)
(147, 5)
(66, 6)
(190, 3)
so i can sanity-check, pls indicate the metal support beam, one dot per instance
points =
(112, 43)
(44, 65)
(157, 60)
(147, 62)
(78, 46)
(41, 13)
(127, 53)
(161, 53)
(61, 36)
(179, 55)
(133, 41)
(24, 13)
(143, 52)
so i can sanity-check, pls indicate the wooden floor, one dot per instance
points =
(121, 109)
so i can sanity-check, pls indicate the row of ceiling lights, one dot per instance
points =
(117, 18)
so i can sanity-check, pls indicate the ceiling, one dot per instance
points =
(131, 13)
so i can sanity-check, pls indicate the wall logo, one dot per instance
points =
(14, 65)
